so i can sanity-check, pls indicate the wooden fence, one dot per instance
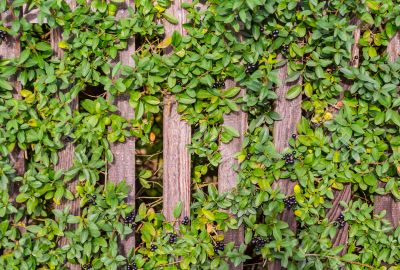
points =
(177, 135)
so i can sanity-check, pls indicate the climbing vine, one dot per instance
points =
(348, 132)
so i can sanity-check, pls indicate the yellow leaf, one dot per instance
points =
(328, 116)
(165, 43)
(26, 93)
(152, 136)
(297, 213)
(297, 189)
(63, 45)
(32, 122)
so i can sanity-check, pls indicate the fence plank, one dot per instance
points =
(176, 136)
(387, 202)
(290, 113)
(345, 194)
(123, 165)
(9, 49)
(66, 155)
(227, 176)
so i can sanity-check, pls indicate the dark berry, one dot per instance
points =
(294, 136)
(186, 220)
(179, 82)
(289, 202)
(3, 35)
(153, 247)
(285, 47)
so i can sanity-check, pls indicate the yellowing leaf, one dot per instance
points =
(32, 122)
(297, 213)
(63, 45)
(26, 93)
(165, 43)
(297, 189)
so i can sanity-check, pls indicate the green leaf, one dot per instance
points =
(178, 210)
(390, 29)
(170, 18)
(293, 92)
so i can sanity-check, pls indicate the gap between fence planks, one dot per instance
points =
(9, 49)
(387, 202)
(123, 166)
(290, 113)
(227, 176)
(345, 194)
(176, 137)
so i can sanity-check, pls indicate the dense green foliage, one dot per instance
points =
(360, 145)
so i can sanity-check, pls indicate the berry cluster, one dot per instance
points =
(219, 246)
(3, 35)
(67, 139)
(92, 199)
(340, 221)
(259, 242)
(220, 83)
(285, 47)
(153, 247)
(87, 266)
(172, 238)
(289, 202)
(130, 218)
(275, 33)
(289, 158)
(185, 220)
(131, 266)
(250, 68)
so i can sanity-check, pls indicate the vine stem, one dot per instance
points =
(339, 259)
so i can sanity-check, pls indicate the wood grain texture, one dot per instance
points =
(10, 48)
(290, 113)
(123, 166)
(176, 137)
(387, 202)
(66, 155)
(227, 174)
(345, 194)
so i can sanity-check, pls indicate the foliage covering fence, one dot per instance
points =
(277, 124)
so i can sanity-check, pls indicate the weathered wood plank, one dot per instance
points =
(290, 112)
(66, 155)
(387, 202)
(227, 176)
(345, 194)
(10, 48)
(123, 166)
(176, 135)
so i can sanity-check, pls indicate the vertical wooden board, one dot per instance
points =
(176, 136)
(345, 194)
(227, 176)
(123, 166)
(66, 155)
(290, 113)
(387, 202)
(10, 48)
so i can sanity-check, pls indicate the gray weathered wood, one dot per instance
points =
(9, 49)
(176, 136)
(66, 155)
(290, 112)
(123, 165)
(345, 194)
(387, 202)
(227, 175)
